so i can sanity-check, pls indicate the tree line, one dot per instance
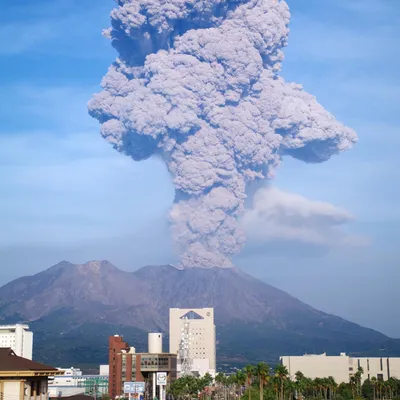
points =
(259, 381)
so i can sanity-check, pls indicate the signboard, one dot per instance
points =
(161, 378)
(133, 387)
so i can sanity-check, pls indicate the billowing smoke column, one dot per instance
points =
(196, 84)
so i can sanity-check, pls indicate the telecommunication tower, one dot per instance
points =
(184, 348)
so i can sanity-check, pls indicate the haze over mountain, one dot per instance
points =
(72, 308)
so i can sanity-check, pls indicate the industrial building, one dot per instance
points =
(19, 338)
(192, 337)
(125, 366)
(342, 367)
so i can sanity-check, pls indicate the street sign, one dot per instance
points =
(133, 387)
(161, 378)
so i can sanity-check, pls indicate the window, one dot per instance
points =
(380, 377)
(368, 365)
(381, 364)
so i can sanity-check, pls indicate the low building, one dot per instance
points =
(17, 337)
(73, 382)
(341, 367)
(23, 379)
(67, 384)
(125, 365)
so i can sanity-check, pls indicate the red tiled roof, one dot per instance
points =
(11, 362)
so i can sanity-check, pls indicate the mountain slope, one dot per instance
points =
(78, 306)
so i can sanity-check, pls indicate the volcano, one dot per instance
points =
(73, 308)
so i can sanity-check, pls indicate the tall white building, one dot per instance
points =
(19, 338)
(192, 337)
(342, 367)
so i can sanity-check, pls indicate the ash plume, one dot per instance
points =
(196, 83)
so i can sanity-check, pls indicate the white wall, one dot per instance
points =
(376, 366)
(318, 366)
(18, 338)
(11, 390)
(104, 370)
(27, 345)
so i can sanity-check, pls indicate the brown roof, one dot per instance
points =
(9, 361)
(76, 397)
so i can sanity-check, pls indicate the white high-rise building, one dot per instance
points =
(19, 338)
(192, 337)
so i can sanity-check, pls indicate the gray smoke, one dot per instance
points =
(196, 84)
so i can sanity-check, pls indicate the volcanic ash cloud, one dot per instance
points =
(196, 83)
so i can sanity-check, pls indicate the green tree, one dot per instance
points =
(249, 371)
(358, 378)
(300, 384)
(262, 372)
(239, 380)
(367, 390)
(374, 383)
(332, 387)
(282, 374)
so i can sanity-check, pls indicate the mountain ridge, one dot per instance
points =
(75, 298)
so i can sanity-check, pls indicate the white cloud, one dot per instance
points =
(287, 217)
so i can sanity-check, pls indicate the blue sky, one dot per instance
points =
(66, 194)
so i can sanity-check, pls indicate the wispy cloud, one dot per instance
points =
(288, 217)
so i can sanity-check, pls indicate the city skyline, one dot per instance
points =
(68, 195)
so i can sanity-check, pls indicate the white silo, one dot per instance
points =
(155, 343)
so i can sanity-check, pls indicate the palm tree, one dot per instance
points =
(374, 383)
(249, 371)
(358, 376)
(239, 379)
(319, 385)
(300, 384)
(392, 384)
(262, 372)
(353, 385)
(332, 386)
(282, 373)
(275, 386)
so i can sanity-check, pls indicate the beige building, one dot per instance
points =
(192, 332)
(341, 367)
